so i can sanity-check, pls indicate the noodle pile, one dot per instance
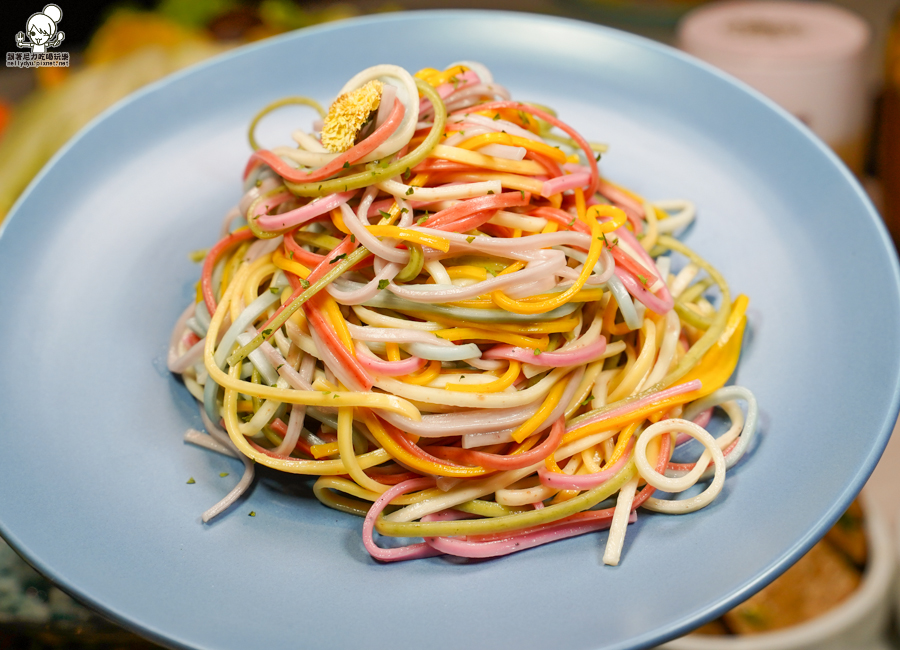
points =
(441, 309)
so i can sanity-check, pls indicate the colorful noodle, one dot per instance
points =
(458, 322)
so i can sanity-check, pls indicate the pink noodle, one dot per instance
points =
(172, 358)
(680, 389)
(386, 368)
(572, 133)
(478, 204)
(579, 356)
(519, 540)
(621, 198)
(333, 363)
(349, 157)
(575, 167)
(637, 290)
(311, 210)
(584, 481)
(189, 358)
(410, 552)
(666, 302)
(566, 182)
(446, 89)
(702, 419)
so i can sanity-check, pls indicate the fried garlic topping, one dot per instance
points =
(348, 114)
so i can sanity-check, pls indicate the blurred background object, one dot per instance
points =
(130, 47)
(889, 142)
(663, 14)
(811, 58)
(836, 597)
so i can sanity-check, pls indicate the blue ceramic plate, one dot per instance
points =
(94, 270)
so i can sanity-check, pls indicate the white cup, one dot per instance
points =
(810, 57)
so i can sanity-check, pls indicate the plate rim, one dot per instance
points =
(786, 558)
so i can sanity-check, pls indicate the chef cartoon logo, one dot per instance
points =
(41, 32)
